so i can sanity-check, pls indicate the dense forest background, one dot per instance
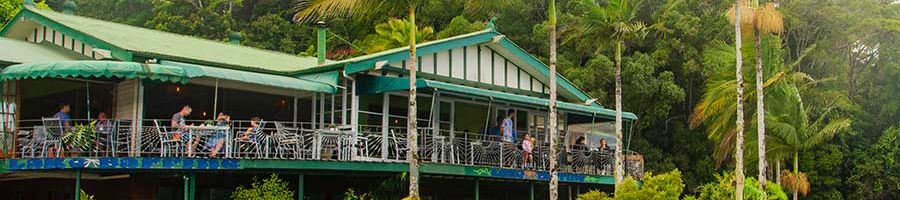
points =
(843, 55)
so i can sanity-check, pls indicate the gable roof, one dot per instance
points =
(25, 52)
(125, 42)
(489, 36)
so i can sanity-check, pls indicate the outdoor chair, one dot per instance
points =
(287, 139)
(121, 140)
(252, 144)
(52, 135)
(399, 151)
(168, 140)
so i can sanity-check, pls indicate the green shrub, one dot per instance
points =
(663, 186)
(272, 188)
(723, 188)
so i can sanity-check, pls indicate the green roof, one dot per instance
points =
(381, 84)
(271, 80)
(159, 44)
(18, 51)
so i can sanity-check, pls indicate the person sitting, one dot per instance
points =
(495, 131)
(254, 127)
(179, 123)
(217, 140)
(104, 127)
(604, 146)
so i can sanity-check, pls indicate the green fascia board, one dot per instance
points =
(380, 84)
(28, 12)
(544, 69)
(323, 165)
(469, 83)
(94, 69)
(287, 82)
(20, 51)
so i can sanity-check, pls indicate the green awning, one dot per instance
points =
(380, 84)
(94, 69)
(193, 70)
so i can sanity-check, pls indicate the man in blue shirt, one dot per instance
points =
(63, 116)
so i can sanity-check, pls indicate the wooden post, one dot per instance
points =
(193, 186)
(187, 187)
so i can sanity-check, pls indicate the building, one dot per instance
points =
(326, 125)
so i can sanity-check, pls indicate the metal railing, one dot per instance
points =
(287, 140)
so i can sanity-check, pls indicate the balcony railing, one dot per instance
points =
(298, 141)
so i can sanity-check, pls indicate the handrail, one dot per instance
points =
(297, 141)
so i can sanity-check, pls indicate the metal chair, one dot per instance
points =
(121, 140)
(167, 140)
(287, 139)
(53, 133)
(253, 143)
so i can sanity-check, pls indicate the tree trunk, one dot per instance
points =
(554, 179)
(851, 73)
(412, 132)
(739, 141)
(778, 171)
(760, 116)
(796, 174)
(620, 168)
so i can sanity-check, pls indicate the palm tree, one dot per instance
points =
(554, 131)
(794, 132)
(762, 20)
(341, 7)
(739, 141)
(617, 21)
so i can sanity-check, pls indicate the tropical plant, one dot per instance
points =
(723, 188)
(759, 20)
(85, 196)
(270, 188)
(394, 33)
(794, 132)
(80, 136)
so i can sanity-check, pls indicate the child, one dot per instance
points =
(254, 125)
(527, 148)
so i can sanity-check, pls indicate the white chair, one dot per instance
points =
(168, 140)
(287, 139)
(52, 135)
(252, 144)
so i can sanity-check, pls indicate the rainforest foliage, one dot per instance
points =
(832, 75)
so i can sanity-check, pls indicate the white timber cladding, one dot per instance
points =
(43, 34)
(479, 64)
(126, 91)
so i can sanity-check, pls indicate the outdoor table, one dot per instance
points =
(204, 130)
(339, 137)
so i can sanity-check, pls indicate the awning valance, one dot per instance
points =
(380, 84)
(94, 69)
(174, 72)
(193, 70)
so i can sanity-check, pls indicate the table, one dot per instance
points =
(204, 130)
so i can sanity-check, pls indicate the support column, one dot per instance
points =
(77, 184)
(187, 187)
(477, 189)
(193, 186)
(531, 191)
(300, 185)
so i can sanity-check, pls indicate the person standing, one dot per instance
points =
(509, 131)
(63, 116)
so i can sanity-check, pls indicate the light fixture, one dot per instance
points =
(590, 101)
